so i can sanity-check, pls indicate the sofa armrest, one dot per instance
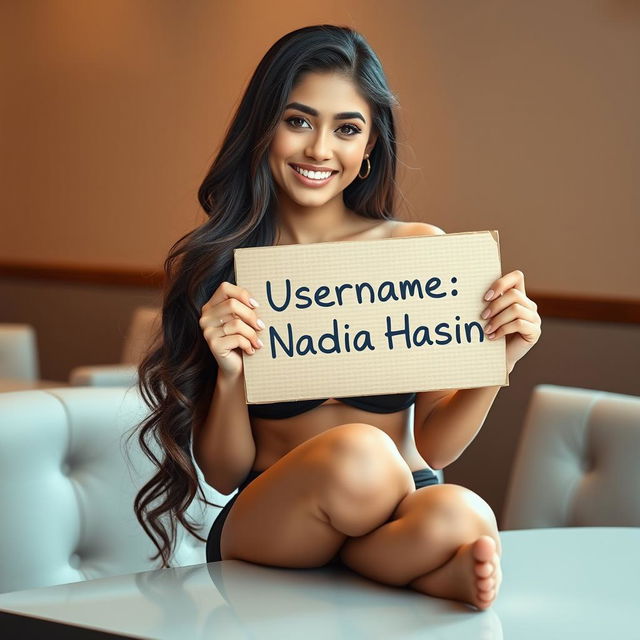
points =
(106, 375)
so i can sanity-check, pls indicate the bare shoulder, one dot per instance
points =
(405, 229)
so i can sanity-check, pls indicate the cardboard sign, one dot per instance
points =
(358, 318)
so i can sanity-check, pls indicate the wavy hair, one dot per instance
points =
(177, 376)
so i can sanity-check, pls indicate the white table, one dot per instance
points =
(558, 583)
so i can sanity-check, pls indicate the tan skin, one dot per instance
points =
(336, 479)
(274, 438)
(318, 215)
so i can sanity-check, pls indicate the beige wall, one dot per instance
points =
(517, 116)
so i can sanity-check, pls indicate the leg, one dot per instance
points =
(442, 540)
(343, 482)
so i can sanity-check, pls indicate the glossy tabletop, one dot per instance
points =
(558, 583)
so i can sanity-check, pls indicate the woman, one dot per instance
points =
(310, 156)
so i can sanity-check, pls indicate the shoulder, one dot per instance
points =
(405, 229)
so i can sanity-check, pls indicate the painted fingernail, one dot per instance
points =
(486, 313)
(254, 304)
(261, 324)
(260, 343)
(488, 328)
(491, 336)
(489, 295)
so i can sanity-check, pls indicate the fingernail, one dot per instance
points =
(485, 313)
(489, 295)
(253, 303)
(260, 343)
(261, 324)
(488, 328)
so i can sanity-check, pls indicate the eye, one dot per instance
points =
(352, 127)
(347, 129)
(291, 120)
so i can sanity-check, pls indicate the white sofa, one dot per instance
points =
(67, 484)
(577, 462)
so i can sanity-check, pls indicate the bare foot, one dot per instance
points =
(473, 575)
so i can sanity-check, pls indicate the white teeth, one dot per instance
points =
(314, 175)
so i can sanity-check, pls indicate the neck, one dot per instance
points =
(298, 224)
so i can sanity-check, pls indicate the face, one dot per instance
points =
(328, 129)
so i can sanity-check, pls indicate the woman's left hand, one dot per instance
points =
(513, 315)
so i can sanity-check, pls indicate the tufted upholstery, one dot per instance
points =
(577, 461)
(67, 489)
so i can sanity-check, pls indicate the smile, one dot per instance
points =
(312, 178)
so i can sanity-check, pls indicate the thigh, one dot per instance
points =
(215, 532)
(281, 518)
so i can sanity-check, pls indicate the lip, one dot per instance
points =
(308, 182)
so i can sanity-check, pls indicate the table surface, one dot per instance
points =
(558, 583)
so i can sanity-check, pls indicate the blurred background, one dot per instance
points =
(516, 116)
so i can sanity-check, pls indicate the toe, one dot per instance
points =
(487, 596)
(486, 584)
(484, 549)
(484, 569)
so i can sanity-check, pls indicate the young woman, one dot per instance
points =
(310, 156)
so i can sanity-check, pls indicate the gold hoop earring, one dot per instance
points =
(366, 175)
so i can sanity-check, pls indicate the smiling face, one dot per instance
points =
(326, 127)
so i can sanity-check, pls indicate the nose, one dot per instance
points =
(319, 147)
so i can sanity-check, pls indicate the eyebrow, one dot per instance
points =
(345, 115)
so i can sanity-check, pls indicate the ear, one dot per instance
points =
(371, 143)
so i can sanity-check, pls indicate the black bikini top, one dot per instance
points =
(375, 404)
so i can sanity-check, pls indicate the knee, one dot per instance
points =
(469, 502)
(365, 459)
(360, 441)
(459, 507)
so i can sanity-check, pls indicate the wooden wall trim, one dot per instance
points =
(550, 305)
(116, 276)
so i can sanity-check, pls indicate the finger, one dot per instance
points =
(234, 325)
(239, 326)
(227, 310)
(224, 345)
(228, 290)
(512, 312)
(530, 331)
(232, 307)
(506, 282)
(513, 296)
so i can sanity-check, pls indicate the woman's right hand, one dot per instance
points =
(229, 324)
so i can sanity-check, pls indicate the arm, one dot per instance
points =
(452, 424)
(223, 446)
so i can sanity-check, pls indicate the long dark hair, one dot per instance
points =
(176, 379)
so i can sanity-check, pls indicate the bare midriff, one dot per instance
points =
(275, 438)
